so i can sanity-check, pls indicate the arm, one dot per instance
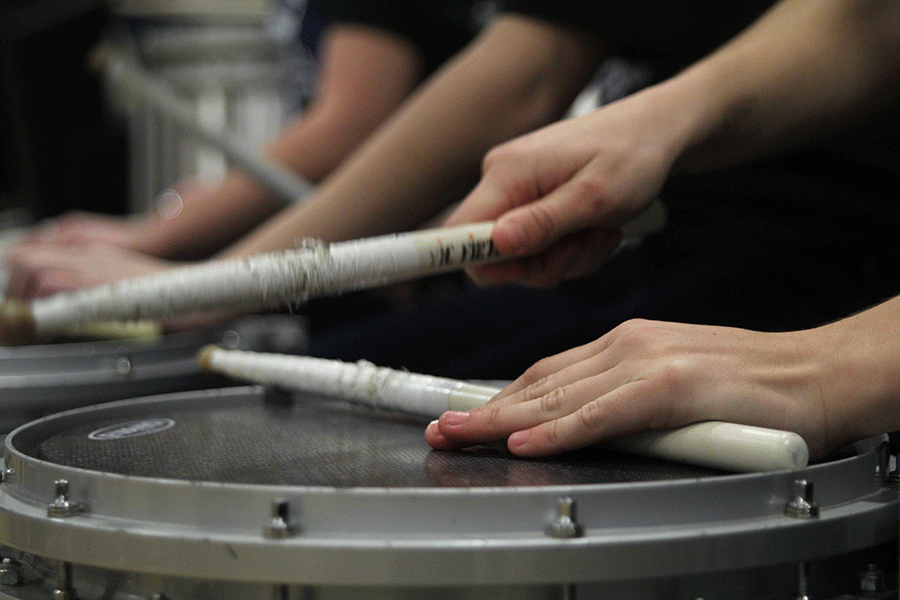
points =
(805, 61)
(520, 74)
(358, 62)
(832, 385)
(804, 69)
(365, 75)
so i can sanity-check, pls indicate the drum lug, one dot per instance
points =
(62, 507)
(10, 572)
(871, 579)
(565, 525)
(802, 506)
(803, 582)
(65, 589)
(123, 366)
(894, 476)
(279, 526)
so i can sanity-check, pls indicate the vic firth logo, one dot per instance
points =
(131, 429)
(469, 251)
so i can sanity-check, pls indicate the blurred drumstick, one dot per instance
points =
(255, 282)
(133, 80)
(715, 444)
(265, 281)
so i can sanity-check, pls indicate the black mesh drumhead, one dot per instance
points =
(312, 442)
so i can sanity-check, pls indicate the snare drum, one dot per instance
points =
(43, 379)
(240, 494)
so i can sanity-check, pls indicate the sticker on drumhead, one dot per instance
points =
(131, 429)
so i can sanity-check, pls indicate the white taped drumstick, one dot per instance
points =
(271, 280)
(264, 281)
(726, 446)
(360, 382)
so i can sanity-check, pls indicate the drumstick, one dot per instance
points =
(726, 446)
(266, 281)
(138, 83)
(256, 282)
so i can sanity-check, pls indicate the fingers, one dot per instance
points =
(552, 389)
(575, 255)
(568, 417)
(37, 271)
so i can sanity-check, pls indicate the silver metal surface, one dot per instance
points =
(802, 505)
(715, 536)
(62, 507)
(564, 526)
(48, 378)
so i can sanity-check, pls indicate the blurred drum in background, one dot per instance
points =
(42, 379)
(228, 61)
(254, 494)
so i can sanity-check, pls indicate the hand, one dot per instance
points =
(559, 194)
(45, 269)
(141, 233)
(79, 227)
(652, 375)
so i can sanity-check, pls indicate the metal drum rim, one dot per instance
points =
(344, 539)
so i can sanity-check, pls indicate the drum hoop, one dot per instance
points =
(643, 529)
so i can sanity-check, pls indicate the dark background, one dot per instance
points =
(59, 148)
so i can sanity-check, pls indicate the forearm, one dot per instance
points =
(428, 153)
(861, 383)
(364, 75)
(805, 69)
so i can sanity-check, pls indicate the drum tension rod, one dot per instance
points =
(62, 507)
(279, 526)
(802, 506)
(565, 525)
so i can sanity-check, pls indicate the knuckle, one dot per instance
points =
(676, 378)
(552, 403)
(536, 376)
(543, 221)
(499, 155)
(634, 335)
(592, 416)
(591, 194)
(553, 434)
(489, 413)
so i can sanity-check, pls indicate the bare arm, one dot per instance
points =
(803, 64)
(518, 75)
(804, 69)
(365, 75)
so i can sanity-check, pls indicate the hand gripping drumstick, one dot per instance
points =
(726, 446)
(270, 280)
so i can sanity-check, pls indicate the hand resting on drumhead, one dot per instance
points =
(831, 385)
(785, 80)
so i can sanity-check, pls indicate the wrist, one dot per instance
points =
(861, 389)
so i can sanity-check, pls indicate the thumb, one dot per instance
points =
(575, 205)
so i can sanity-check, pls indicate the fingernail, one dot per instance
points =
(519, 438)
(433, 426)
(454, 417)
